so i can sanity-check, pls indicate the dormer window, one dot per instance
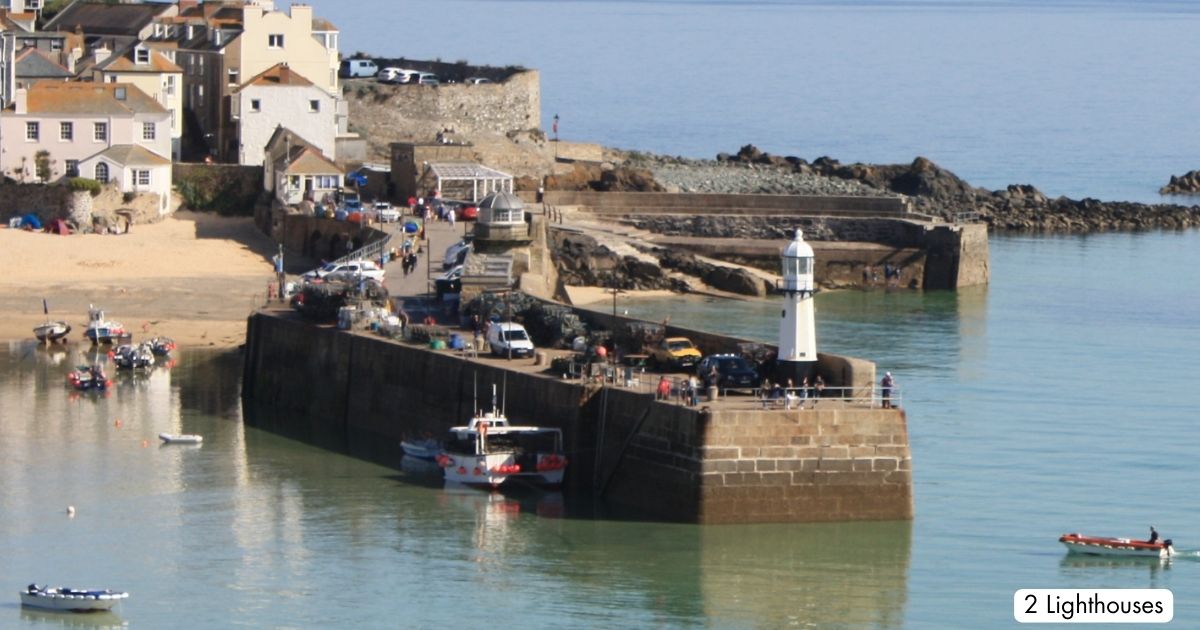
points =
(141, 56)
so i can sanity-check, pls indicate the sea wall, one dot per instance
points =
(361, 394)
(512, 104)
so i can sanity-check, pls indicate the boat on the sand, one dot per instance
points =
(1128, 547)
(51, 331)
(70, 599)
(101, 330)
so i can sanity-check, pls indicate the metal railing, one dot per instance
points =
(371, 251)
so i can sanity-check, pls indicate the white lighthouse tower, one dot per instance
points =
(797, 328)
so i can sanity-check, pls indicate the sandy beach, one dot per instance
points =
(194, 277)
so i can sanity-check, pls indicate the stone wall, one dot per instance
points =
(361, 394)
(56, 201)
(644, 203)
(501, 107)
(313, 237)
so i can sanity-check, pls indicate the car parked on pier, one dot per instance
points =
(351, 268)
(675, 353)
(733, 372)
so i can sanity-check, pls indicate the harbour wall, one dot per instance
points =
(361, 394)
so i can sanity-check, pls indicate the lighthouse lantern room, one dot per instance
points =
(797, 328)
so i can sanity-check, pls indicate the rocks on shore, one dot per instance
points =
(1186, 184)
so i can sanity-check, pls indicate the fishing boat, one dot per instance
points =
(51, 331)
(426, 449)
(489, 452)
(130, 357)
(101, 330)
(84, 378)
(1101, 546)
(162, 346)
(70, 599)
(180, 438)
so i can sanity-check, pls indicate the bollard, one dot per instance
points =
(539, 358)
(713, 393)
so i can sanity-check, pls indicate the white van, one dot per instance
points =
(351, 68)
(509, 340)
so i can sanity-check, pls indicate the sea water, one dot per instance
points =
(1057, 399)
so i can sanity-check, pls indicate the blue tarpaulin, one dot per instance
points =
(31, 220)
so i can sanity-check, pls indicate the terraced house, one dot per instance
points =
(111, 132)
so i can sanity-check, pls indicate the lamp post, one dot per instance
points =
(555, 137)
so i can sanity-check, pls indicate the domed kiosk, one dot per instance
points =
(502, 219)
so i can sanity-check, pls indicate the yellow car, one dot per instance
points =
(676, 353)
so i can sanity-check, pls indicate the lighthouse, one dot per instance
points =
(797, 328)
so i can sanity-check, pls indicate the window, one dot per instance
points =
(142, 177)
(275, 40)
(233, 76)
(32, 131)
(148, 131)
(100, 133)
(314, 106)
(101, 172)
(294, 181)
(72, 168)
(66, 131)
(327, 181)
(112, 78)
(56, 45)
(141, 55)
(170, 85)
(255, 105)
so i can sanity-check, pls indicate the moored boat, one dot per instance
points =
(161, 346)
(100, 330)
(489, 453)
(426, 449)
(52, 332)
(180, 438)
(86, 378)
(130, 357)
(1102, 546)
(69, 599)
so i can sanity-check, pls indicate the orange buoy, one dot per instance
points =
(117, 423)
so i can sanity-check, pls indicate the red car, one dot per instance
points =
(469, 213)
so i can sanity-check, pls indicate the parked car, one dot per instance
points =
(509, 340)
(449, 282)
(476, 80)
(675, 353)
(352, 68)
(733, 371)
(385, 212)
(456, 254)
(365, 268)
(395, 75)
(428, 78)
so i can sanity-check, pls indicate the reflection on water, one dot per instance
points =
(50, 619)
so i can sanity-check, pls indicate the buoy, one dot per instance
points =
(70, 510)
(117, 423)
(145, 443)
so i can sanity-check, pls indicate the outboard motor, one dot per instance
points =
(1168, 543)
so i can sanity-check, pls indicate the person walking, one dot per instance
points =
(281, 277)
(450, 216)
(694, 390)
(886, 386)
(818, 388)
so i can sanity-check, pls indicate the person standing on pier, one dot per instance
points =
(886, 385)
(664, 388)
(818, 388)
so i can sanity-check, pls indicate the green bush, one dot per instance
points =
(83, 183)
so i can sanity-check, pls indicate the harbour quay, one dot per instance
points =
(735, 459)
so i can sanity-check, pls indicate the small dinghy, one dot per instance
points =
(180, 438)
(161, 346)
(426, 449)
(70, 599)
(85, 378)
(1101, 546)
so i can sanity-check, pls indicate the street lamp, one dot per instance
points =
(555, 137)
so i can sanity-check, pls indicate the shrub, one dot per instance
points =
(83, 183)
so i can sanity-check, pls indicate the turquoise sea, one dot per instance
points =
(1056, 399)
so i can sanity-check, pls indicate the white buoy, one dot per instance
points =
(797, 328)
(70, 510)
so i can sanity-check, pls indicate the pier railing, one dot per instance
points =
(784, 398)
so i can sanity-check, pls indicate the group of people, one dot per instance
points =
(891, 275)
(794, 397)
(689, 390)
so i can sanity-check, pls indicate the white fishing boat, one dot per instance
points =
(489, 453)
(70, 599)
(101, 330)
(1127, 547)
(180, 438)
(51, 331)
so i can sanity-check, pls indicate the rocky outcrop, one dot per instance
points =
(729, 279)
(605, 178)
(933, 191)
(1186, 184)
(581, 261)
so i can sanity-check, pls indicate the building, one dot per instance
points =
(281, 96)
(152, 72)
(111, 132)
(295, 170)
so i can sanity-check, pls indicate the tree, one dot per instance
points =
(41, 165)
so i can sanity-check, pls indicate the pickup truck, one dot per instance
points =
(675, 353)
(351, 268)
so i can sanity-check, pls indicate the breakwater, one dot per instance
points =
(717, 463)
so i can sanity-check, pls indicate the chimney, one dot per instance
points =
(21, 103)
(102, 53)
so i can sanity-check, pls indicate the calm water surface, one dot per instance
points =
(1055, 400)
(1085, 98)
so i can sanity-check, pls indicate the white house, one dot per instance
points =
(280, 96)
(295, 170)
